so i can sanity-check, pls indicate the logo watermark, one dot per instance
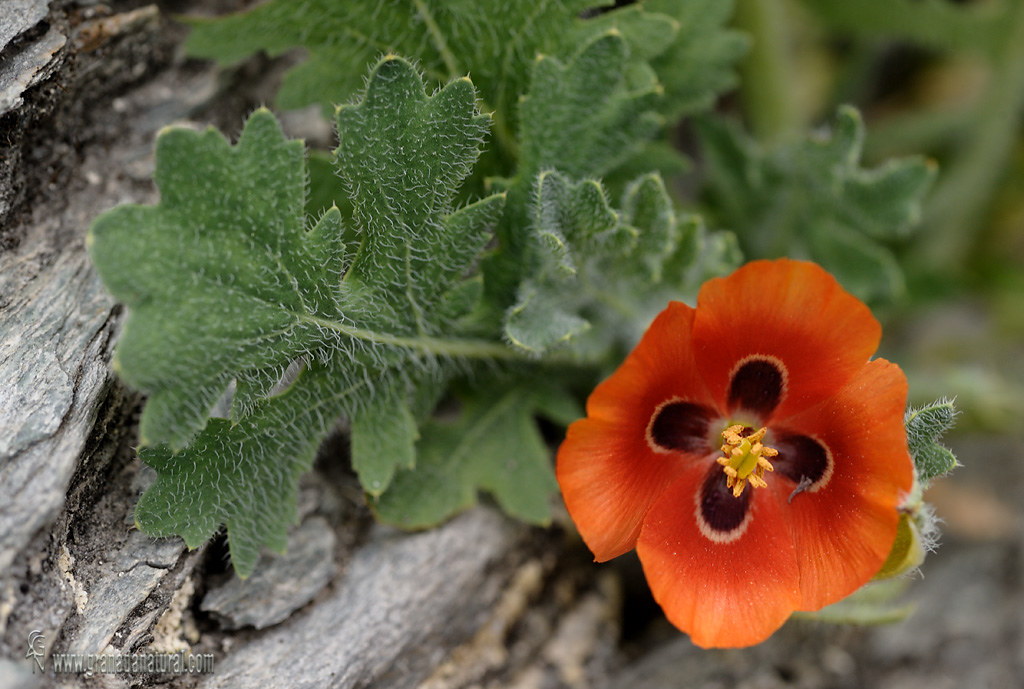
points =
(36, 648)
(90, 664)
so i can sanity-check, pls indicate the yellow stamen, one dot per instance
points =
(745, 459)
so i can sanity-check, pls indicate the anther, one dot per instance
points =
(744, 458)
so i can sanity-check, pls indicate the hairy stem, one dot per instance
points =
(442, 45)
(442, 347)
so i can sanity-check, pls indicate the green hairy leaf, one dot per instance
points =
(925, 428)
(384, 440)
(493, 445)
(402, 183)
(566, 214)
(699, 64)
(246, 290)
(811, 197)
(449, 39)
(593, 269)
(243, 473)
(222, 277)
(678, 50)
(583, 118)
(495, 42)
(385, 281)
(587, 116)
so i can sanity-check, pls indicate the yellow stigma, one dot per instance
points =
(745, 459)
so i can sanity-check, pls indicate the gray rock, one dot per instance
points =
(18, 17)
(281, 584)
(27, 68)
(53, 360)
(403, 600)
(133, 571)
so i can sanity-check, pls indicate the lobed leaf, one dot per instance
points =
(566, 214)
(221, 277)
(699, 64)
(383, 439)
(402, 156)
(587, 116)
(649, 34)
(496, 42)
(243, 474)
(493, 41)
(925, 428)
(589, 263)
(648, 210)
(376, 308)
(493, 445)
(225, 284)
(811, 197)
(582, 118)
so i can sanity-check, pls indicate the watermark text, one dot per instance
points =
(89, 664)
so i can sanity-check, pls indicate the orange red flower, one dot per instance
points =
(750, 451)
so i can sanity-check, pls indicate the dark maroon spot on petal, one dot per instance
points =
(757, 386)
(801, 459)
(681, 426)
(721, 510)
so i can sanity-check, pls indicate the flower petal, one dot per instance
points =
(845, 523)
(661, 367)
(775, 337)
(729, 591)
(639, 435)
